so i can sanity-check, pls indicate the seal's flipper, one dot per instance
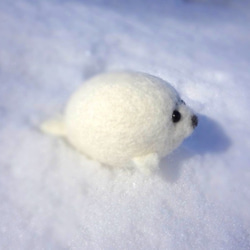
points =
(54, 127)
(147, 163)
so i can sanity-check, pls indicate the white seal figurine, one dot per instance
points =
(125, 119)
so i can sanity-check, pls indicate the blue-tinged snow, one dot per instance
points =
(54, 198)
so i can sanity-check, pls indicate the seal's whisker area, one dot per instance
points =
(194, 120)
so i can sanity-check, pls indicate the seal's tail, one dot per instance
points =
(54, 127)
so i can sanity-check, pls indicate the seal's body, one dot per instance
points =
(125, 119)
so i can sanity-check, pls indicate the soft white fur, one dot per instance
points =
(124, 119)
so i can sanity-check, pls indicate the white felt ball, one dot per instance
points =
(125, 119)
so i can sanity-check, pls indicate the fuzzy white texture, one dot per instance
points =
(54, 198)
(116, 117)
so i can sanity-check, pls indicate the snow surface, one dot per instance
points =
(54, 198)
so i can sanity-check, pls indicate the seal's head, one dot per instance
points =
(182, 122)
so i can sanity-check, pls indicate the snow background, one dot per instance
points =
(54, 198)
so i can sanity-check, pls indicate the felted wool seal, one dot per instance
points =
(125, 119)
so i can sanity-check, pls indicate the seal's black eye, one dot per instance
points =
(176, 116)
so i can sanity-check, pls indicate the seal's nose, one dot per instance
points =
(194, 120)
